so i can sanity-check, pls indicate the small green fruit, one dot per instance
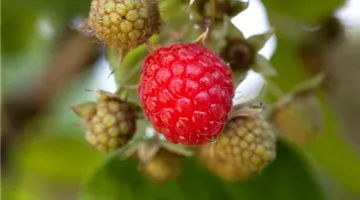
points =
(247, 141)
(124, 24)
(298, 117)
(223, 168)
(162, 167)
(111, 125)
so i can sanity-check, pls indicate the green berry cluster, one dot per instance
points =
(124, 24)
(110, 123)
(247, 141)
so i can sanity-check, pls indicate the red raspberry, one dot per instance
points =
(186, 91)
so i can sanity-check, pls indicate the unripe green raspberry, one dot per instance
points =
(298, 117)
(247, 141)
(223, 168)
(113, 123)
(124, 24)
(163, 167)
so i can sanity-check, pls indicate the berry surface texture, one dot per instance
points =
(186, 91)
(112, 125)
(124, 24)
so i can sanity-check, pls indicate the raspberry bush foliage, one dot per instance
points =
(177, 104)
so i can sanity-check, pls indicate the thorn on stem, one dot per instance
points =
(111, 73)
(91, 90)
(122, 55)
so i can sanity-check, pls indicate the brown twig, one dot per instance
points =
(73, 54)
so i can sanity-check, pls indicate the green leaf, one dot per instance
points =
(220, 32)
(301, 11)
(234, 31)
(174, 13)
(287, 178)
(58, 157)
(310, 84)
(238, 7)
(19, 24)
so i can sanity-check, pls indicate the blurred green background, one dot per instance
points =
(46, 66)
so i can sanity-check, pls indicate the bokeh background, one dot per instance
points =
(46, 66)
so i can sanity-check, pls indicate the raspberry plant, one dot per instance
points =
(262, 139)
(182, 81)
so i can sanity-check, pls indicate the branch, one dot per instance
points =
(73, 55)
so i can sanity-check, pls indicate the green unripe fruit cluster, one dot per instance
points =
(124, 24)
(247, 141)
(110, 123)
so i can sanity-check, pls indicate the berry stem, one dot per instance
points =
(121, 57)
(132, 72)
(129, 87)
(157, 138)
(131, 147)
(177, 149)
(123, 86)
(275, 89)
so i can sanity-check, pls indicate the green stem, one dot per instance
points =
(275, 89)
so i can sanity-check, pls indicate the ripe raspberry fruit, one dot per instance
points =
(247, 141)
(111, 125)
(186, 91)
(124, 24)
